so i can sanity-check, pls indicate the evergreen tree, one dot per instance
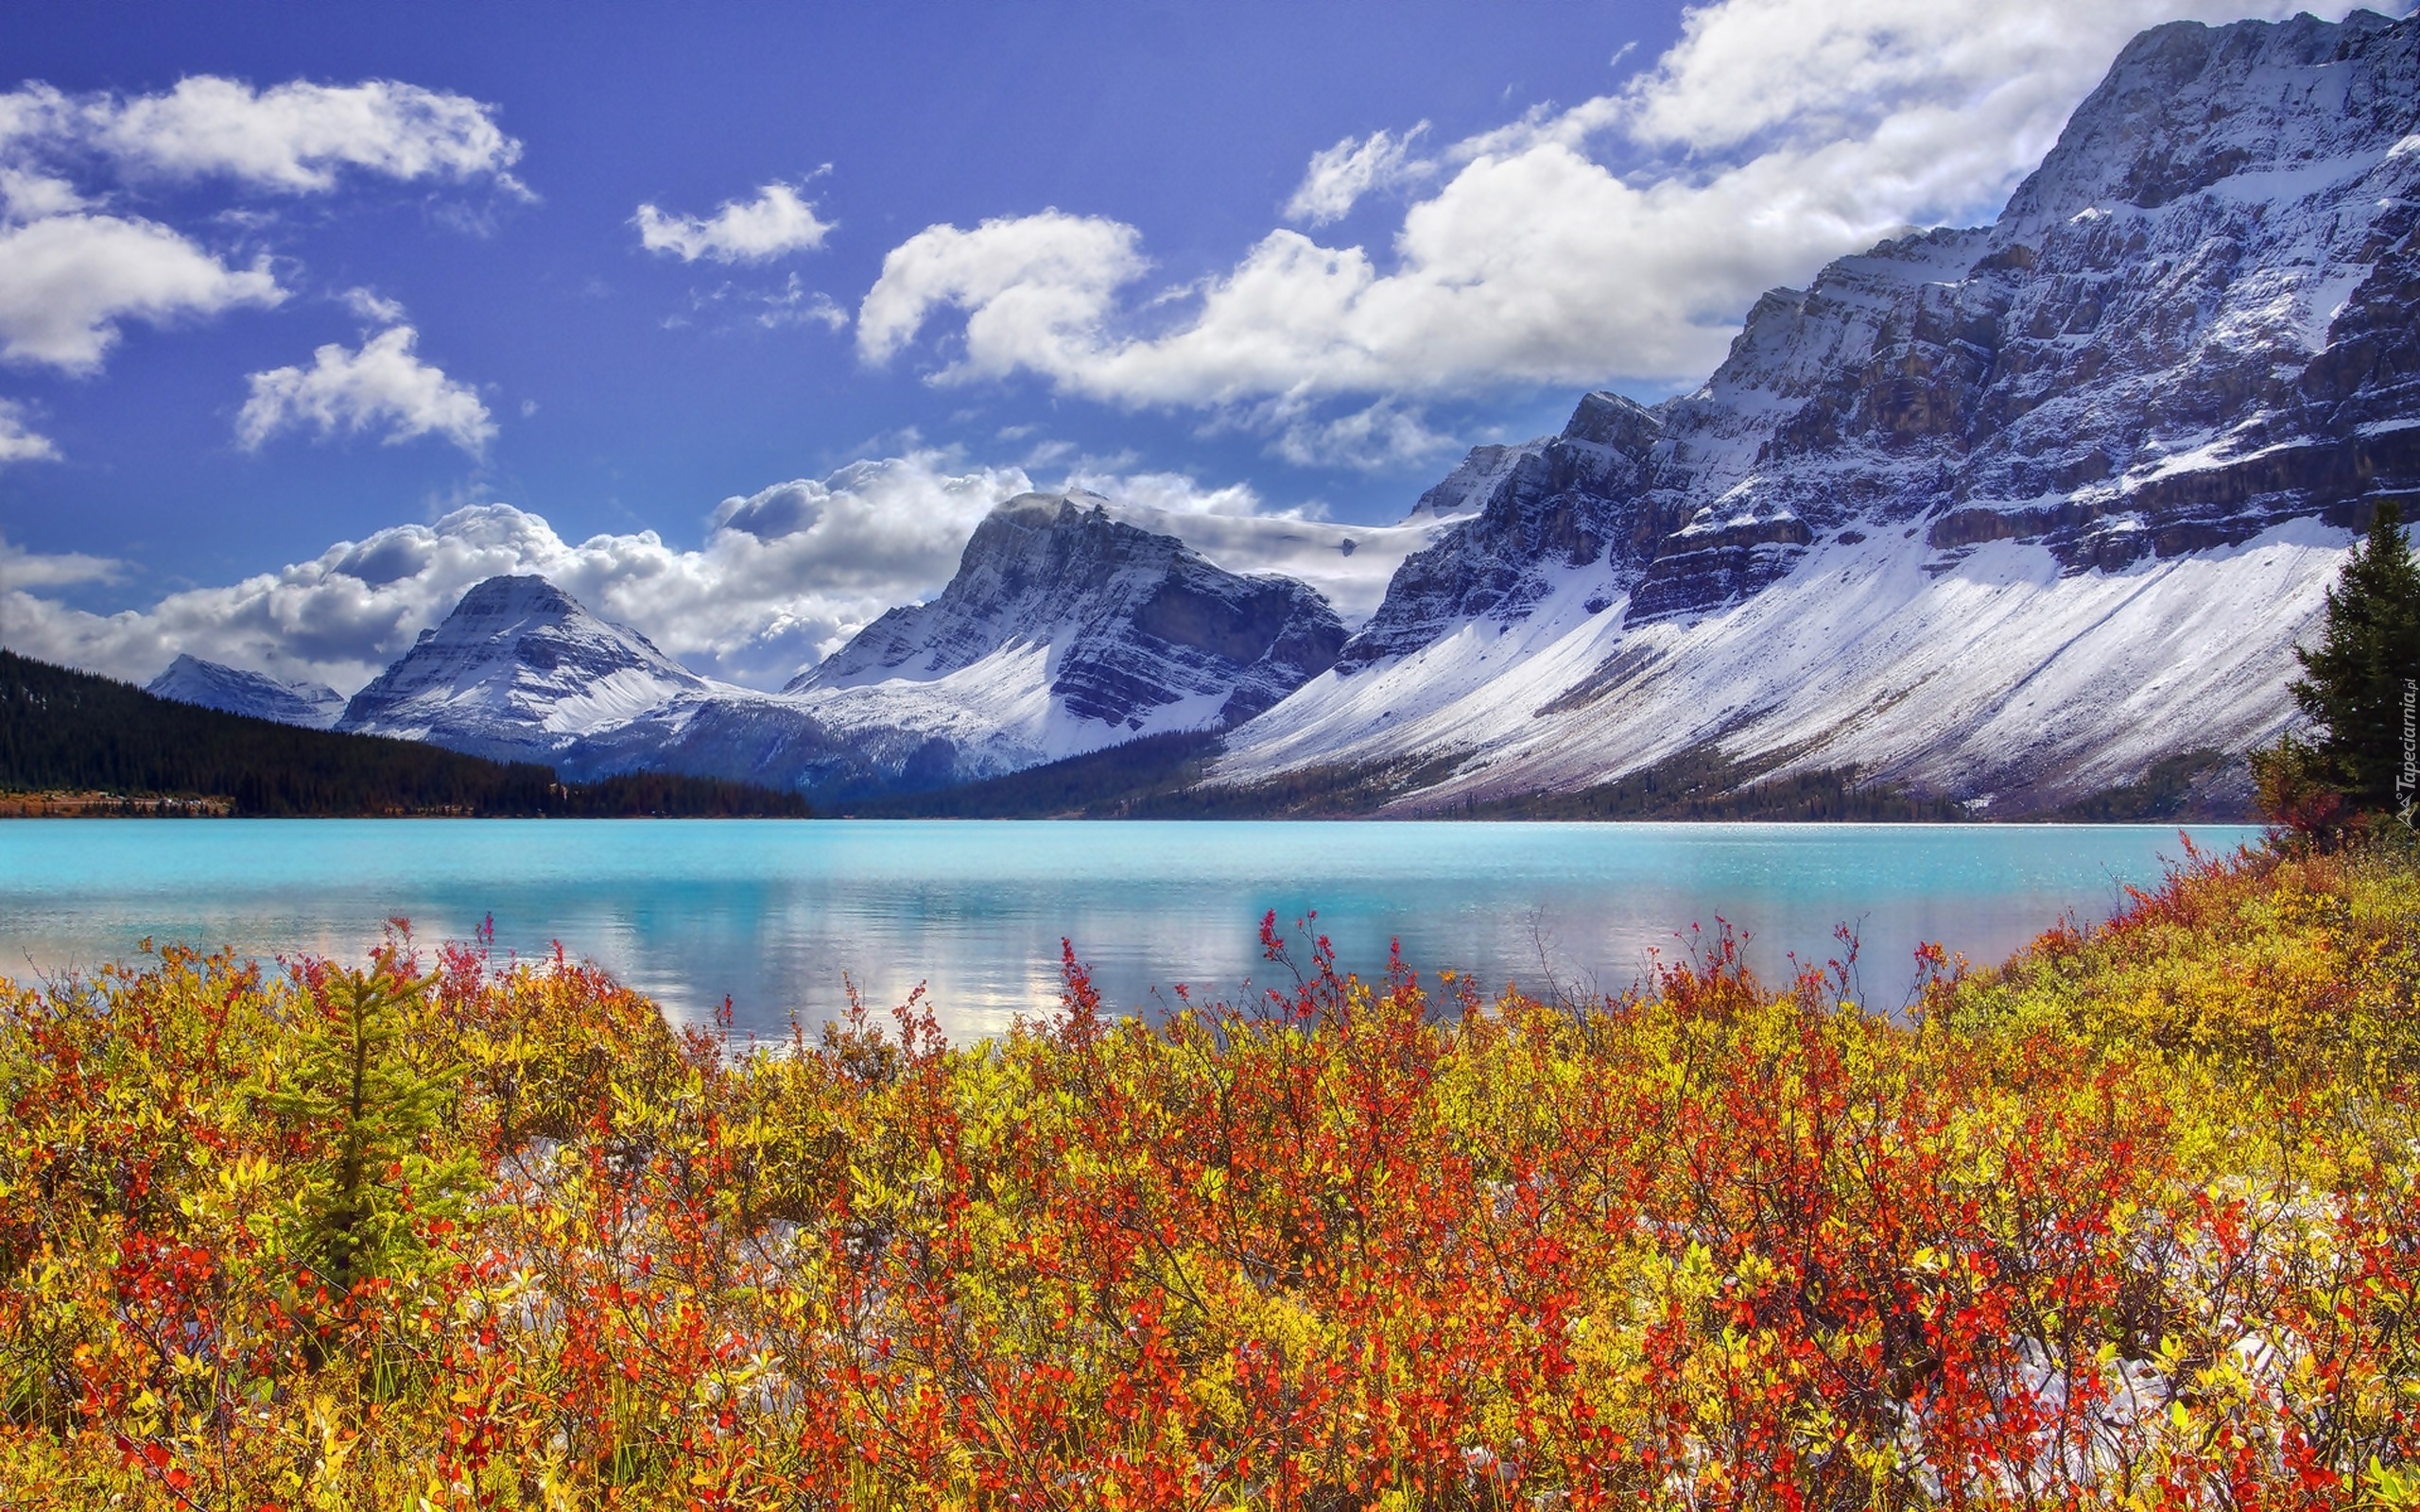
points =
(2356, 680)
(367, 1117)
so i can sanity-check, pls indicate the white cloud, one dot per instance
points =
(71, 272)
(774, 223)
(371, 305)
(1037, 289)
(19, 444)
(785, 576)
(1338, 177)
(21, 569)
(1775, 135)
(30, 194)
(67, 282)
(381, 386)
(1176, 494)
(796, 305)
(299, 137)
(1384, 435)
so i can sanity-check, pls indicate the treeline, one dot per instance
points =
(62, 730)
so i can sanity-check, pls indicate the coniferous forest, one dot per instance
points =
(64, 730)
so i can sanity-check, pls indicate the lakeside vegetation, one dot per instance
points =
(74, 743)
(2131, 1220)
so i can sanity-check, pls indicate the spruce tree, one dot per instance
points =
(369, 1121)
(2357, 682)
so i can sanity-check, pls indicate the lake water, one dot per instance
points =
(773, 913)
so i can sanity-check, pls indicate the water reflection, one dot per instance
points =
(779, 917)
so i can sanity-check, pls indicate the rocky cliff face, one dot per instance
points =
(2195, 320)
(191, 680)
(2191, 344)
(1065, 629)
(1579, 500)
(519, 671)
(1136, 620)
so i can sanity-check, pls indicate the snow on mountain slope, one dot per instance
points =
(519, 671)
(1999, 680)
(1955, 511)
(191, 680)
(1065, 629)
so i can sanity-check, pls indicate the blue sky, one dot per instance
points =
(290, 295)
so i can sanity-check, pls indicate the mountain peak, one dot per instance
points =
(518, 671)
(1064, 629)
(2188, 106)
(2021, 511)
(1060, 570)
(516, 593)
(214, 685)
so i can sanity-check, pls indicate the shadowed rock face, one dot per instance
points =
(1582, 497)
(2199, 317)
(1132, 620)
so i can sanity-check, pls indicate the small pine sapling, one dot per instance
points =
(364, 1117)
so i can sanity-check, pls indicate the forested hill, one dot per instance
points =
(65, 729)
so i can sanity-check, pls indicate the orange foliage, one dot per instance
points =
(1347, 1243)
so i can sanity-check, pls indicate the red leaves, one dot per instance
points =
(1714, 1245)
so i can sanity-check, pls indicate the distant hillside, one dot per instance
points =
(62, 729)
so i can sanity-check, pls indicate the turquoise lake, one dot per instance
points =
(773, 913)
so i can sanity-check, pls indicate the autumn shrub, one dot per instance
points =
(2129, 1221)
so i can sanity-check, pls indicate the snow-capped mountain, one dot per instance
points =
(213, 685)
(519, 671)
(1071, 625)
(2007, 513)
(1065, 629)
(1131, 624)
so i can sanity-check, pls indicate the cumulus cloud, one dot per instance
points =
(17, 443)
(72, 271)
(29, 193)
(774, 223)
(1026, 283)
(1384, 434)
(785, 576)
(1620, 238)
(295, 138)
(1340, 175)
(68, 282)
(383, 386)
